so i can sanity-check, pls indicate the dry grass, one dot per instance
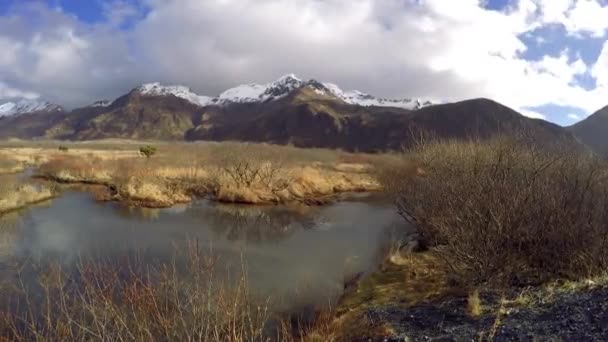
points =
(9, 165)
(474, 306)
(419, 278)
(15, 195)
(506, 213)
(228, 172)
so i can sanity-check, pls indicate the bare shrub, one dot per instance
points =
(248, 166)
(135, 302)
(507, 212)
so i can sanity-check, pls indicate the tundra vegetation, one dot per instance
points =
(133, 301)
(229, 172)
(501, 215)
(494, 219)
(16, 194)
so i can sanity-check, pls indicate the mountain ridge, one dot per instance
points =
(249, 93)
(287, 111)
(25, 106)
(592, 131)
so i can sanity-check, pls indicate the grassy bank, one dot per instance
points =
(16, 194)
(503, 227)
(228, 172)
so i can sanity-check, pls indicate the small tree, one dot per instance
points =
(147, 151)
(63, 148)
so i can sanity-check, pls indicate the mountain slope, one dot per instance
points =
(25, 106)
(592, 131)
(28, 118)
(137, 115)
(308, 119)
(287, 111)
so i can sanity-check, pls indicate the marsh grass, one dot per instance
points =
(9, 165)
(229, 172)
(16, 194)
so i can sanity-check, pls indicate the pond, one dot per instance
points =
(298, 256)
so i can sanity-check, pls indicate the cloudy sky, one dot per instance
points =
(545, 58)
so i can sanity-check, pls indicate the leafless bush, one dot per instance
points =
(246, 167)
(103, 302)
(507, 212)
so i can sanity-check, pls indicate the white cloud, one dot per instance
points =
(61, 58)
(600, 69)
(577, 16)
(588, 16)
(532, 114)
(574, 116)
(449, 50)
(9, 92)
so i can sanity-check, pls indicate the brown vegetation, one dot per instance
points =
(106, 302)
(507, 213)
(229, 172)
(16, 195)
(130, 301)
(8, 165)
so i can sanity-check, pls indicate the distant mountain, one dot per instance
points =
(593, 130)
(287, 111)
(24, 106)
(101, 103)
(260, 93)
(309, 119)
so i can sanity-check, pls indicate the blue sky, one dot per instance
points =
(545, 58)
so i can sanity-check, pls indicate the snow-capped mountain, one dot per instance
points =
(156, 89)
(251, 93)
(259, 93)
(102, 103)
(356, 97)
(27, 106)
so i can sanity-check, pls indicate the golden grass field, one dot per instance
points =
(178, 172)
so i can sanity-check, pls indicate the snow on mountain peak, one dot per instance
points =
(356, 97)
(156, 89)
(102, 103)
(23, 106)
(254, 92)
(288, 78)
(259, 93)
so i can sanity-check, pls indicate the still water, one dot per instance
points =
(300, 253)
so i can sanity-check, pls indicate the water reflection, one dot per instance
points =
(302, 254)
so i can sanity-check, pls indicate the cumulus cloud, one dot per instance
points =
(449, 50)
(600, 69)
(51, 53)
(532, 114)
(9, 92)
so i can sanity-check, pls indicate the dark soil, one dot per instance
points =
(576, 316)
